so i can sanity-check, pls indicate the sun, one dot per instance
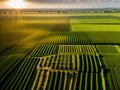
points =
(16, 4)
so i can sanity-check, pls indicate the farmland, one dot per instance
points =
(66, 51)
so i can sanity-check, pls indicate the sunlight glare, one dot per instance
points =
(16, 4)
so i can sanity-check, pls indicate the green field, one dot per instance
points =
(95, 23)
(78, 51)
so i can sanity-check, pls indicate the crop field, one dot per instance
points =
(108, 49)
(69, 64)
(65, 51)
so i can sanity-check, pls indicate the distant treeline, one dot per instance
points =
(16, 11)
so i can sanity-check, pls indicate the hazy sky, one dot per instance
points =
(66, 3)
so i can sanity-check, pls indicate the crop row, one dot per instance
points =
(79, 62)
(114, 77)
(44, 50)
(112, 71)
(7, 65)
(77, 49)
(7, 62)
(56, 80)
(22, 76)
(73, 38)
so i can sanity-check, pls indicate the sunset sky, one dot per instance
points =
(59, 3)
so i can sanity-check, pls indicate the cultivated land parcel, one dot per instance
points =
(72, 51)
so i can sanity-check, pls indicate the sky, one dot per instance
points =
(65, 3)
